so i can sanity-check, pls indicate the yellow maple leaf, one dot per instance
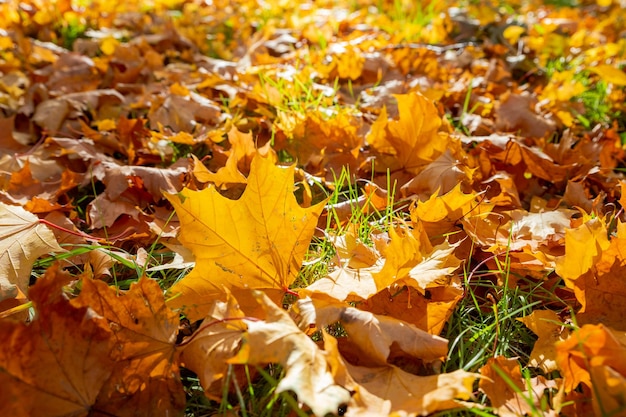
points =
(601, 290)
(608, 395)
(411, 394)
(374, 334)
(583, 248)
(258, 241)
(547, 325)
(109, 45)
(415, 136)
(513, 33)
(145, 375)
(440, 213)
(410, 262)
(240, 155)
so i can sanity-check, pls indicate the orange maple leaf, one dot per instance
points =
(145, 376)
(57, 364)
(508, 391)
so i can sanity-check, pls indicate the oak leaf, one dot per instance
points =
(277, 339)
(258, 241)
(24, 239)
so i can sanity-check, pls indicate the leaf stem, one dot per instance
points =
(71, 232)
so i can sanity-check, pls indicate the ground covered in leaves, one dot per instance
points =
(308, 208)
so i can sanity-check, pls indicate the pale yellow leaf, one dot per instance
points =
(22, 240)
(373, 333)
(277, 339)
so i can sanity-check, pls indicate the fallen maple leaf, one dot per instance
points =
(388, 390)
(508, 392)
(258, 241)
(373, 334)
(23, 239)
(583, 248)
(240, 155)
(595, 356)
(362, 402)
(206, 353)
(408, 262)
(601, 290)
(414, 138)
(277, 339)
(146, 375)
(345, 284)
(610, 74)
(440, 213)
(608, 395)
(515, 114)
(57, 364)
(547, 325)
(441, 175)
(415, 395)
(429, 312)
